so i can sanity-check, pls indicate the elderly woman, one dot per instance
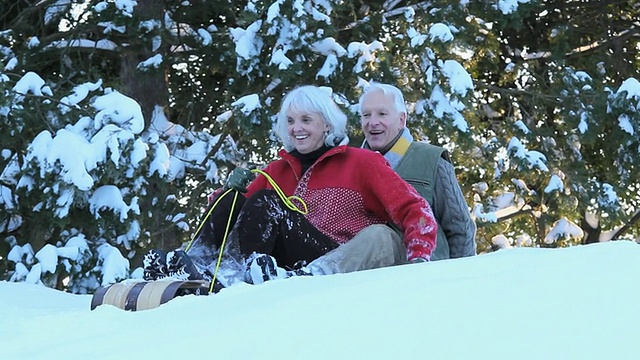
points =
(329, 193)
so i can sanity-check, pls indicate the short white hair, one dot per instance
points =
(316, 100)
(387, 89)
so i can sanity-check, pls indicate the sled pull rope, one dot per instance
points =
(288, 200)
(224, 239)
(206, 217)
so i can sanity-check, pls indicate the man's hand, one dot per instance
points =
(239, 179)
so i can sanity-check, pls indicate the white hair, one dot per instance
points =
(313, 99)
(387, 89)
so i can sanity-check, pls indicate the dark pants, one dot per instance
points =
(265, 225)
(213, 231)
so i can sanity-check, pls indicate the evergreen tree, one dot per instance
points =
(537, 102)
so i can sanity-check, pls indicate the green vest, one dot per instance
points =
(418, 168)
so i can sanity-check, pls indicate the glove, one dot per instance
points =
(239, 179)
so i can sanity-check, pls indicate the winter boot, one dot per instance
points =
(181, 267)
(154, 264)
(299, 269)
(261, 268)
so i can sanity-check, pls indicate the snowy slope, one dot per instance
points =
(523, 303)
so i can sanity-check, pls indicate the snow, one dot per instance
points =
(204, 37)
(56, 10)
(248, 103)
(29, 83)
(48, 258)
(126, 6)
(280, 59)
(11, 64)
(80, 93)
(459, 79)
(625, 123)
(516, 303)
(534, 158)
(245, 39)
(329, 67)
(555, 183)
(108, 197)
(328, 46)
(116, 108)
(563, 228)
(365, 53)
(442, 106)
(153, 62)
(440, 32)
(509, 6)
(632, 87)
(72, 153)
(85, 43)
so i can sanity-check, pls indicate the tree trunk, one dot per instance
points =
(591, 235)
(148, 88)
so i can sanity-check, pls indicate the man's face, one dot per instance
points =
(379, 119)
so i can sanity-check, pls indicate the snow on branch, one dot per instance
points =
(563, 228)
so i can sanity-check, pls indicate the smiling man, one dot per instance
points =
(383, 116)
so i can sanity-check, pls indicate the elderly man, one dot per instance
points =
(426, 167)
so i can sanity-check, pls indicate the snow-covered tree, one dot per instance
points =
(537, 100)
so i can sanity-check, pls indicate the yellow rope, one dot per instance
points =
(224, 240)
(204, 221)
(287, 200)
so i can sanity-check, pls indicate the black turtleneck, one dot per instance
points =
(309, 159)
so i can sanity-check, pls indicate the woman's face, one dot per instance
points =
(307, 130)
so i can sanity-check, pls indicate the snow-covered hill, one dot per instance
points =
(523, 303)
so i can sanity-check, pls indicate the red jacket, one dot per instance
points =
(348, 189)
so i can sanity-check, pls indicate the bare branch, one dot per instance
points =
(635, 218)
(524, 210)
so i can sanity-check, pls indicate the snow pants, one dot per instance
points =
(373, 247)
(265, 225)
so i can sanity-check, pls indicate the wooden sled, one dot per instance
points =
(143, 295)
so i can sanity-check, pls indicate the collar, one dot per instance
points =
(334, 150)
(398, 149)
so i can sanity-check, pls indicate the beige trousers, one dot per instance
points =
(374, 247)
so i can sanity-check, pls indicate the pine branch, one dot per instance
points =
(225, 132)
(390, 12)
(597, 45)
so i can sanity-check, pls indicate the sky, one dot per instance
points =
(520, 303)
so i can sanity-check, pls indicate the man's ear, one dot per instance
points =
(403, 119)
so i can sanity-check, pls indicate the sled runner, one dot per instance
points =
(143, 295)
